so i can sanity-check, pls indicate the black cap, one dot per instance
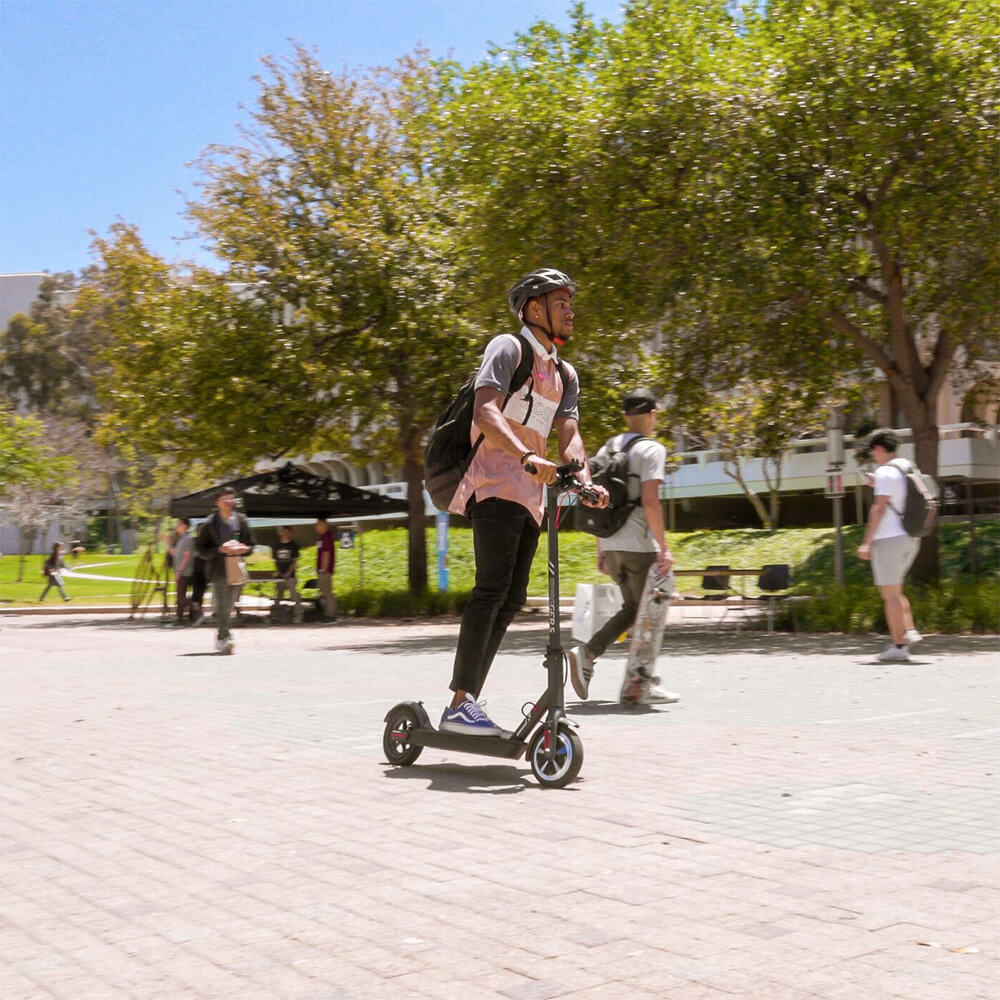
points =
(639, 401)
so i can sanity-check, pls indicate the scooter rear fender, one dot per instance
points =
(418, 707)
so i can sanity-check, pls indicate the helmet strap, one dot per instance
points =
(558, 339)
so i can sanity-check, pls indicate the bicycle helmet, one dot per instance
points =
(539, 282)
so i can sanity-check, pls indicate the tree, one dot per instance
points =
(579, 149)
(48, 358)
(335, 324)
(858, 191)
(36, 484)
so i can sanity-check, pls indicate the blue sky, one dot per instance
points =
(103, 103)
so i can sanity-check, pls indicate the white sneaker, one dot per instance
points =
(912, 637)
(581, 670)
(656, 695)
(894, 654)
(224, 646)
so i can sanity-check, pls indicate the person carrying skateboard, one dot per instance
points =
(503, 490)
(628, 555)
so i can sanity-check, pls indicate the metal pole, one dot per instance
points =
(838, 542)
(835, 463)
(442, 550)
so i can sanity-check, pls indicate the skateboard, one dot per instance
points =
(647, 636)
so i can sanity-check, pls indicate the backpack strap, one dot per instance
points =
(524, 367)
(625, 449)
(894, 462)
(522, 373)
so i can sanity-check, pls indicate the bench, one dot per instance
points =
(248, 602)
(773, 581)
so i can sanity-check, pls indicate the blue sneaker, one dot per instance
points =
(468, 719)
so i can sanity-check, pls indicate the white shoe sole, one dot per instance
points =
(666, 699)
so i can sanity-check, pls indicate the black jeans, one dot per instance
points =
(505, 537)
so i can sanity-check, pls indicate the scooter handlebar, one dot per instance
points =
(566, 481)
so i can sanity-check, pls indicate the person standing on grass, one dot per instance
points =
(52, 568)
(183, 567)
(325, 562)
(199, 584)
(888, 547)
(286, 562)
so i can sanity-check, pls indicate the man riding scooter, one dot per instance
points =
(502, 492)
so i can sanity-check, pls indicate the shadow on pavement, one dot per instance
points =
(488, 779)
(527, 636)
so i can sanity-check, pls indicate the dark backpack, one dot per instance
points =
(610, 470)
(921, 503)
(449, 450)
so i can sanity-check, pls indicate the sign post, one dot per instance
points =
(442, 550)
(835, 487)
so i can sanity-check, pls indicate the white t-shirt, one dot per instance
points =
(890, 481)
(646, 460)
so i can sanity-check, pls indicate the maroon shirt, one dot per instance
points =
(325, 544)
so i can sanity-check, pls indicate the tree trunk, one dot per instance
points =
(927, 566)
(417, 567)
(773, 489)
(25, 541)
(734, 471)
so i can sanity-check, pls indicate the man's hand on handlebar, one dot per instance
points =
(543, 469)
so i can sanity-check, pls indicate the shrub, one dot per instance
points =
(963, 605)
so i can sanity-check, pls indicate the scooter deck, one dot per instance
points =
(491, 746)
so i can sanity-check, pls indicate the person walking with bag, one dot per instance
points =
(53, 566)
(627, 555)
(887, 545)
(222, 542)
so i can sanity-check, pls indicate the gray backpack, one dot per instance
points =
(921, 503)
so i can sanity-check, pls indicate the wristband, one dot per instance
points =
(524, 456)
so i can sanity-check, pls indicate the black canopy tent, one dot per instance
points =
(293, 493)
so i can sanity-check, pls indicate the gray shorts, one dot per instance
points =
(892, 558)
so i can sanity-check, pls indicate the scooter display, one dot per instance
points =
(545, 734)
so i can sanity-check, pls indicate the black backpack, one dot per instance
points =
(449, 451)
(610, 470)
(921, 503)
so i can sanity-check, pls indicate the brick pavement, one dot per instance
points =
(806, 823)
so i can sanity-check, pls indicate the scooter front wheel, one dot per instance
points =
(398, 750)
(565, 763)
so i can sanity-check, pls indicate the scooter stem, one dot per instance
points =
(553, 651)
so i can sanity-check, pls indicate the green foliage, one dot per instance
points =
(24, 457)
(48, 358)
(964, 605)
(760, 203)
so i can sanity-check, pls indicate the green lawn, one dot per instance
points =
(106, 591)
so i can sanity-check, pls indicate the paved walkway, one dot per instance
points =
(806, 823)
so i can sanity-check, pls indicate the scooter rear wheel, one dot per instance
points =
(398, 750)
(566, 763)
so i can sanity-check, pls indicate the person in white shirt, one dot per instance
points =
(641, 541)
(888, 547)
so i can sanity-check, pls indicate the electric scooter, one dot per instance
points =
(546, 735)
